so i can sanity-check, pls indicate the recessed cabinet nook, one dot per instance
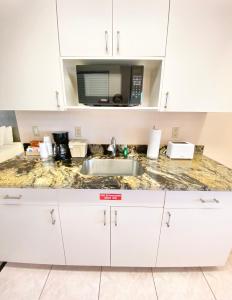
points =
(187, 60)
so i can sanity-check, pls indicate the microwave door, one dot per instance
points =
(93, 87)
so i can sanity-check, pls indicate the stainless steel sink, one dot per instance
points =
(112, 167)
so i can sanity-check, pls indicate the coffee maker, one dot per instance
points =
(61, 148)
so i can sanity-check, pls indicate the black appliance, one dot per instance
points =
(61, 148)
(110, 85)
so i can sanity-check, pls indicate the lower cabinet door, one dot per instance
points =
(194, 237)
(86, 234)
(30, 234)
(135, 236)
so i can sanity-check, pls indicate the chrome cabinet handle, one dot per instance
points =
(106, 40)
(166, 100)
(115, 218)
(52, 217)
(57, 99)
(118, 41)
(169, 219)
(12, 197)
(214, 200)
(104, 217)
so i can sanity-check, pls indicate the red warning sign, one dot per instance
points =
(110, 196)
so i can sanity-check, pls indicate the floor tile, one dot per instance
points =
(181, 284)
(22, 281)
(220, 281)
(127, 284)
(69, 283)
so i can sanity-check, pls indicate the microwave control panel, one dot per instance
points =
(136, 84)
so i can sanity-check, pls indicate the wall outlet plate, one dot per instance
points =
(35, 130)
(175, 132)
(78, 131)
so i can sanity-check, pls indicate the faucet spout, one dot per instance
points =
(112, 147)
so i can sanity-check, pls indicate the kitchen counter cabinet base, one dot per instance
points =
(30, 234)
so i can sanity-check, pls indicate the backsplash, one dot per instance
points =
(128, 127)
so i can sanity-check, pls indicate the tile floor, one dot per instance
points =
(30, 282)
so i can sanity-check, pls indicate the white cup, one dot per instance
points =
(47, 139)
(43, 150)
(48, 143)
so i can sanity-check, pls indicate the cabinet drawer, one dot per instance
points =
(198, 199)
(30, 195)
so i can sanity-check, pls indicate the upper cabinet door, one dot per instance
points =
(30, 76)
(140, 27)
(198, 67)
(85, 27)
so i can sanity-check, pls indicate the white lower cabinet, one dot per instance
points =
(86, 234)
(135, 236)
(76, 228)
(194, 237)
(30, 234)
(130, 239)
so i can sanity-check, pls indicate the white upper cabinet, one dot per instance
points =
(85, 27)
(140, 27)
(198, 67)
(29, 55)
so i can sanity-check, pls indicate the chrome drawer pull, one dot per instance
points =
(12, 197)
(57, 99)
(116, 218)
(104, 217)
(166, 100)
(118, 41)
(169, 219)
(214, 200)
(106, 40)
(52, 217)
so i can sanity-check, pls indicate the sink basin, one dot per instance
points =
(112, 167)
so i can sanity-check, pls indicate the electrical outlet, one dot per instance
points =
(175, 132)
(77, 131)
(35, 130)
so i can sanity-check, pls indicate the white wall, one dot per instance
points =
(129, 127)
(216, 135)
(214, 130)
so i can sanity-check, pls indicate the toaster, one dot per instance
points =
(180, 150)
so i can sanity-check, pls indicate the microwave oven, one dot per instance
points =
(110, 85)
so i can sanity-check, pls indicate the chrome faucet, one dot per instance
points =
(112, 147)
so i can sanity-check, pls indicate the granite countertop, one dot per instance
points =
(199, 174)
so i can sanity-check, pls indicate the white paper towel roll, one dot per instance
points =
(154, 144)
(8, 137)
(2, 135)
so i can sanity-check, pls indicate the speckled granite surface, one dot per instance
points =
(198, 174)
